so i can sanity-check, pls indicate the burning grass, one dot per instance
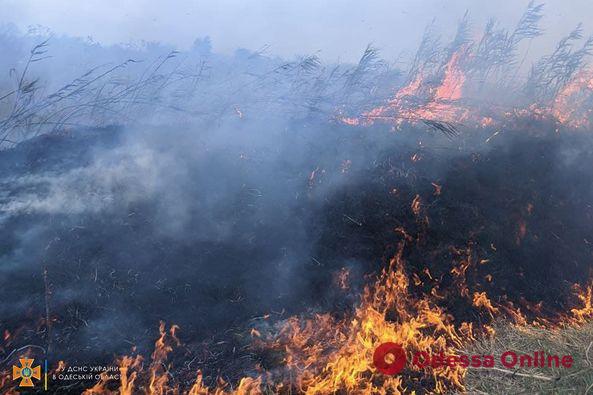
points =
(455, 260)
(325, 355)
(426, 238)
(460, 241)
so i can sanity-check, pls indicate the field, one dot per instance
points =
(205, 223)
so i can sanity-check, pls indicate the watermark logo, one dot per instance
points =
(389, 358)
(26, 372)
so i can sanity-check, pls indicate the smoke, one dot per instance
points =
(202, 227)
(234, 194)
(337, 30)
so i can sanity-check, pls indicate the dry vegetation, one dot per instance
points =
(448, 230)
(576, 341)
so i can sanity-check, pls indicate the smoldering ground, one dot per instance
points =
(106, 232)
(204, 230)
(235, 192)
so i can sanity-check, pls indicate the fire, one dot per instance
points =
(481, 300)
(417, 324)
(569, 107)
(158, 369)
(417, 102)
(133, 374)
(131, 366)
(325, 353)
(451, 87)
(247, 386)
(459, 82)
(585, 296)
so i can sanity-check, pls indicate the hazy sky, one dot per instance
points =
(338, 29)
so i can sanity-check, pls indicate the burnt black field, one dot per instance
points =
(223, 202)
(253, 228)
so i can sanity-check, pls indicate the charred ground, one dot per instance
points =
(519, 205)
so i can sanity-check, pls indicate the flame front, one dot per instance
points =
(327, 355)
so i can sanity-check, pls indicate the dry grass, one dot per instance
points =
(574, 341)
